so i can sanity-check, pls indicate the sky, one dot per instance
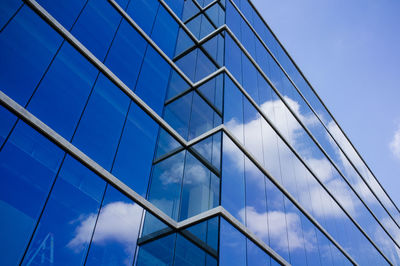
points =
(349, 52)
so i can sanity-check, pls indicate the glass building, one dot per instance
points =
(173, 132)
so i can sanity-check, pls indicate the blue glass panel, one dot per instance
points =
(216, 15)
(28, 165)
(252, 130)
(232, 249)
(166, 182)
(62, 94)
(165, 31)
(96, 27)
(136, 150)
(100, 129)
(183, 42)
(233, 109)
(68, 220)
(210, 150)
(212, 90)
(176, 84)
(7, 122)
(23, 56)
(189, 10)
(64, 11)
(143, 13)
(203, 117)
(7, 9)
(165, 144)
(116, 232)
(215, 49)
(177, 114)
(157, 252)
(256, 256)
(233, 185)
(197, 193)
(126, 54)
(204, 66)
(256, 204)
(194, 26)
(153, 80)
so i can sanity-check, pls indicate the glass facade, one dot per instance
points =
(173, 132)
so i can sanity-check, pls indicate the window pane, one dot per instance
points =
(23, 56)
(67, 223)
(28, 165)
(116, 233)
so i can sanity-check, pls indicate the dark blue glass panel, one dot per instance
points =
(100, 129)
(206, 231)
(96, 27)
(233, 20)
(136, 150)
(176, 6)
(62, 94)
(256, 256)
(153, 80)
(165, 31)
(233, 184)
(250, 78)
(23, 56)
(7, 121)
(166, 182)
(143, 12)
(68, 220)
(64, 11)
(116, 232)
(157, 252)
(232, 247)
(232, 57)
(186, 253)
(28, 165)
(126, 55)
(7, 9)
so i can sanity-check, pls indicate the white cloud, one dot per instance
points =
(118, 222)
(281, 228)
(395, 144)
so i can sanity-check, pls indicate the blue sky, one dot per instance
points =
(349, 51)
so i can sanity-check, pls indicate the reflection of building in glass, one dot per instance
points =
(173, 132)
